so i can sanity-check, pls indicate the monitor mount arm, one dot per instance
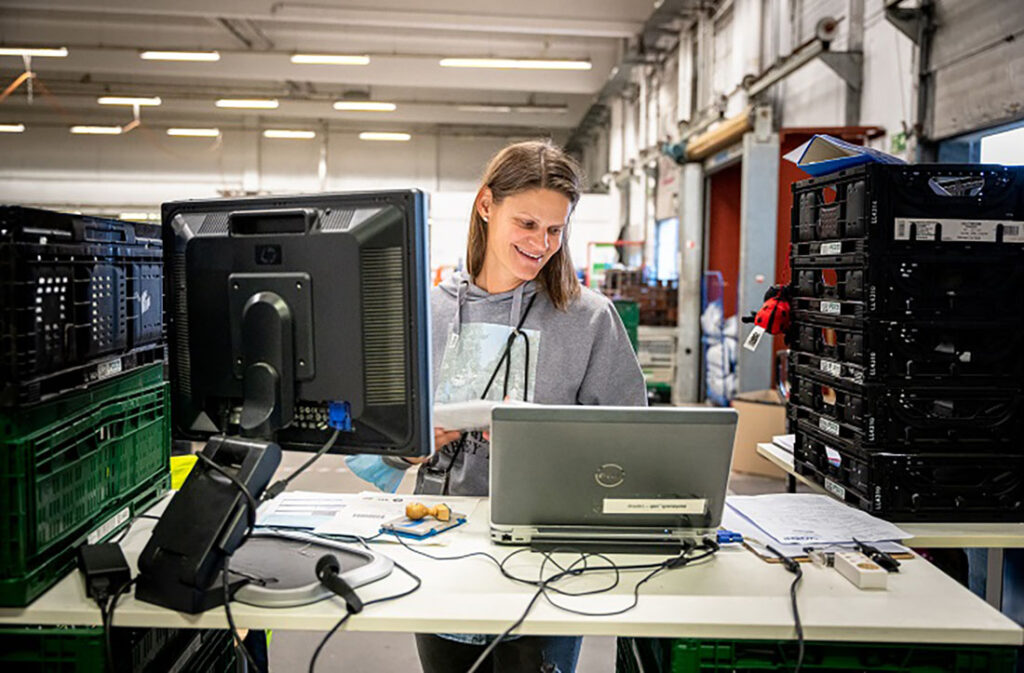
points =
(268, 375)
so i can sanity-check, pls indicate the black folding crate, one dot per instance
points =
(82, 297)
(911, 207)
(915, 418)
(975, 486)
(927, 286)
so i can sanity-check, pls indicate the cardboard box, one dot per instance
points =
(761, 416)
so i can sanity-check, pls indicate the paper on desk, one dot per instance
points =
(366, 511)
(812, 519)
(758, 540)
(784, 442)
(471, 415)
(301, 509)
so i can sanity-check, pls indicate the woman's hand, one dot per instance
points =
(442, 438)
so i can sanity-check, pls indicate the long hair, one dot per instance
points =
(520, 167)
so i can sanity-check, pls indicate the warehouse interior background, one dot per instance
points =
(680, 112)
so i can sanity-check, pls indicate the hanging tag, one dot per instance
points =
(754, 338)
(453, 339)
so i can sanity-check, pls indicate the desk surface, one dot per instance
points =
(733, 595)
(991, 535)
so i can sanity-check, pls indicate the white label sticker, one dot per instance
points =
(831, 427)
(963, 231)
(754, 338)
(832, 307)
(108, 369)
(832, 248)
(835, 489)
(832, 368)
(106, 528)
(654, 506)
(834, 459)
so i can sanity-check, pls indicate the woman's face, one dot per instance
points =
(523, 232)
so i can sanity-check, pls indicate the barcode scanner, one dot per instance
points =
(327, 571)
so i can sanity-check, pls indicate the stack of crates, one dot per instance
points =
(84, 433)
(906, 360)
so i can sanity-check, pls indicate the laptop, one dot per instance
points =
(622, 476)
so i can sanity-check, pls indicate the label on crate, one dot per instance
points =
(833, 307)
(957, 230)
(107, 527)
(834, 248)
(831, 368)
(183, 660)
(107, 369)
(835, 489)
(831, 427)
(834, 459)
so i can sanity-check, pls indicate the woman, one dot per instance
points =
(518, 325)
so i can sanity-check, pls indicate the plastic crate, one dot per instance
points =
(32, 649)
(76, 469)
(976, 486)
(954, 351)
(921, 287)
(747, 656)
(912, 207)
(83, 301)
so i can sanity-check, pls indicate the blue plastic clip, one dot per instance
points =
(339, 416)
(728, 537)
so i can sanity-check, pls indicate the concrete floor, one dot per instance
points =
(376, 652)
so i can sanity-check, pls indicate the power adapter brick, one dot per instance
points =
(104, 568)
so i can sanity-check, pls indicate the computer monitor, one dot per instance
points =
(289, 317)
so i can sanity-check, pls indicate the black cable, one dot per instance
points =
(107, 605)
(236, 639)
(794, 567)
(281, 484)
(250, 501)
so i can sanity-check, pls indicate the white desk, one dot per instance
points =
(992, 536)
(734, 595)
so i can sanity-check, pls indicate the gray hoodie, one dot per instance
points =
(578, 356)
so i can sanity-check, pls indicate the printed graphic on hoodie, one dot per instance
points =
(470, 359)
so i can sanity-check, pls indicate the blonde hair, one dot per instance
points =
(520, 167)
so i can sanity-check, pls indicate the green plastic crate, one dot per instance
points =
(741, 656)
(75, 465)
(49, 649)
(629, 312)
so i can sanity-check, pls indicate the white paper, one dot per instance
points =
(785, 442)
(811, 519)
(471, 415)
(758, 540)
(301, 509)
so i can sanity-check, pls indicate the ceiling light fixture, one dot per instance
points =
(12, 128)
(364, 106)
(129, 100)
(248, 103)
(206, 56)
(289, 134)
(59, 52)
(378, 135)
(193, 133)
(330, 59)
(133, 216)
(97, 130)
(515, 63)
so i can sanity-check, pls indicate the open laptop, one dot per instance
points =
(622, 476)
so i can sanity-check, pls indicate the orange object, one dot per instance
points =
(417, 511)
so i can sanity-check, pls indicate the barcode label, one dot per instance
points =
(834, 458)
(108, 369)
(832, 248)
(958, 231)
(107, 527)
(1012, 233)
(832, 307)
(835, 489)
(831, 427)
(831, 368)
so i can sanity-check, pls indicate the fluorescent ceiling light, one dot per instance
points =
(485, 108)
(330, 59)
(12, 128)
(194, 133)
(249, 103)
(364, 106)
(59, 52)
(97, 130)
(138, 216)
(515, 63)
(128, 100)
(376, 135)
(180, 55)
(288, 134)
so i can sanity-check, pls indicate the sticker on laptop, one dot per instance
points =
(654, 506)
